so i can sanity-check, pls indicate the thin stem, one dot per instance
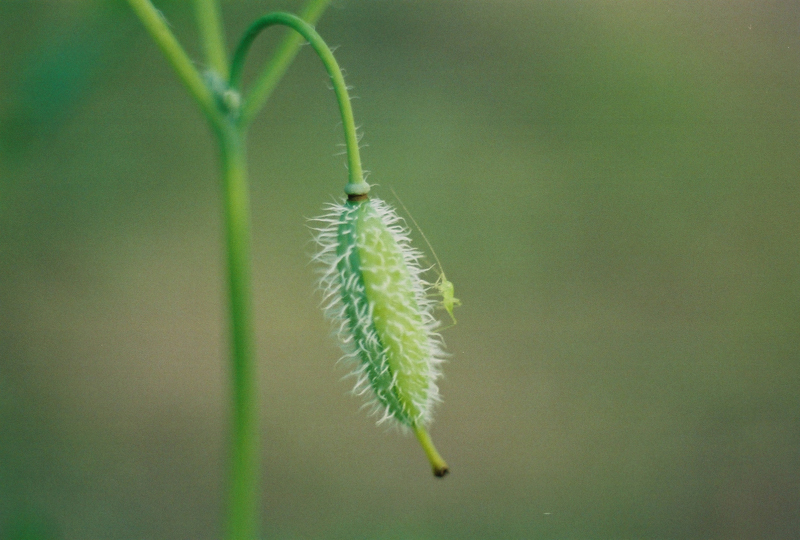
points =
(212, 35)
(438, 464)
(154, 23)
(356, 184)
(243, 489)
(274, 70)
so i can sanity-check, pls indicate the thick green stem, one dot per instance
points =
(356, 185)
(212, 35)
(272, 73)
(244, 475)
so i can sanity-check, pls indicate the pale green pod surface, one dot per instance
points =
(375, 292)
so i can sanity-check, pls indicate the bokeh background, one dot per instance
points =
(612, 186)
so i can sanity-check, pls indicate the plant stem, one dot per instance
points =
(154, 23)
(331, 66)
(272, 73)
(244, 474)
(242, 508)
(212, 35)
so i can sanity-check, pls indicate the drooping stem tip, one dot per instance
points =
(356, 184)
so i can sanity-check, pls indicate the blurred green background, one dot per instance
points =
(612, 186)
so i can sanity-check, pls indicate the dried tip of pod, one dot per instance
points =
(440, 468)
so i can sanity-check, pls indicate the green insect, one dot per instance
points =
(444, 286)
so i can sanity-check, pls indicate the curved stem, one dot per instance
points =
(270, 76)
(357, 185)
(154, 23)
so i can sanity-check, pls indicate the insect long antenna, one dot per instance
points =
(443, 285)
(414, 221)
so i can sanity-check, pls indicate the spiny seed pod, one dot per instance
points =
(373, 291)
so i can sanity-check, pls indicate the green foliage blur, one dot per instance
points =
(611, 186)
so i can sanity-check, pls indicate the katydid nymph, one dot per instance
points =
(444, 286)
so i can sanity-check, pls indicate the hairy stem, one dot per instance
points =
(274, 70)
(356, 184)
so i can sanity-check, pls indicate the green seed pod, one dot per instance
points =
(374, 292)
